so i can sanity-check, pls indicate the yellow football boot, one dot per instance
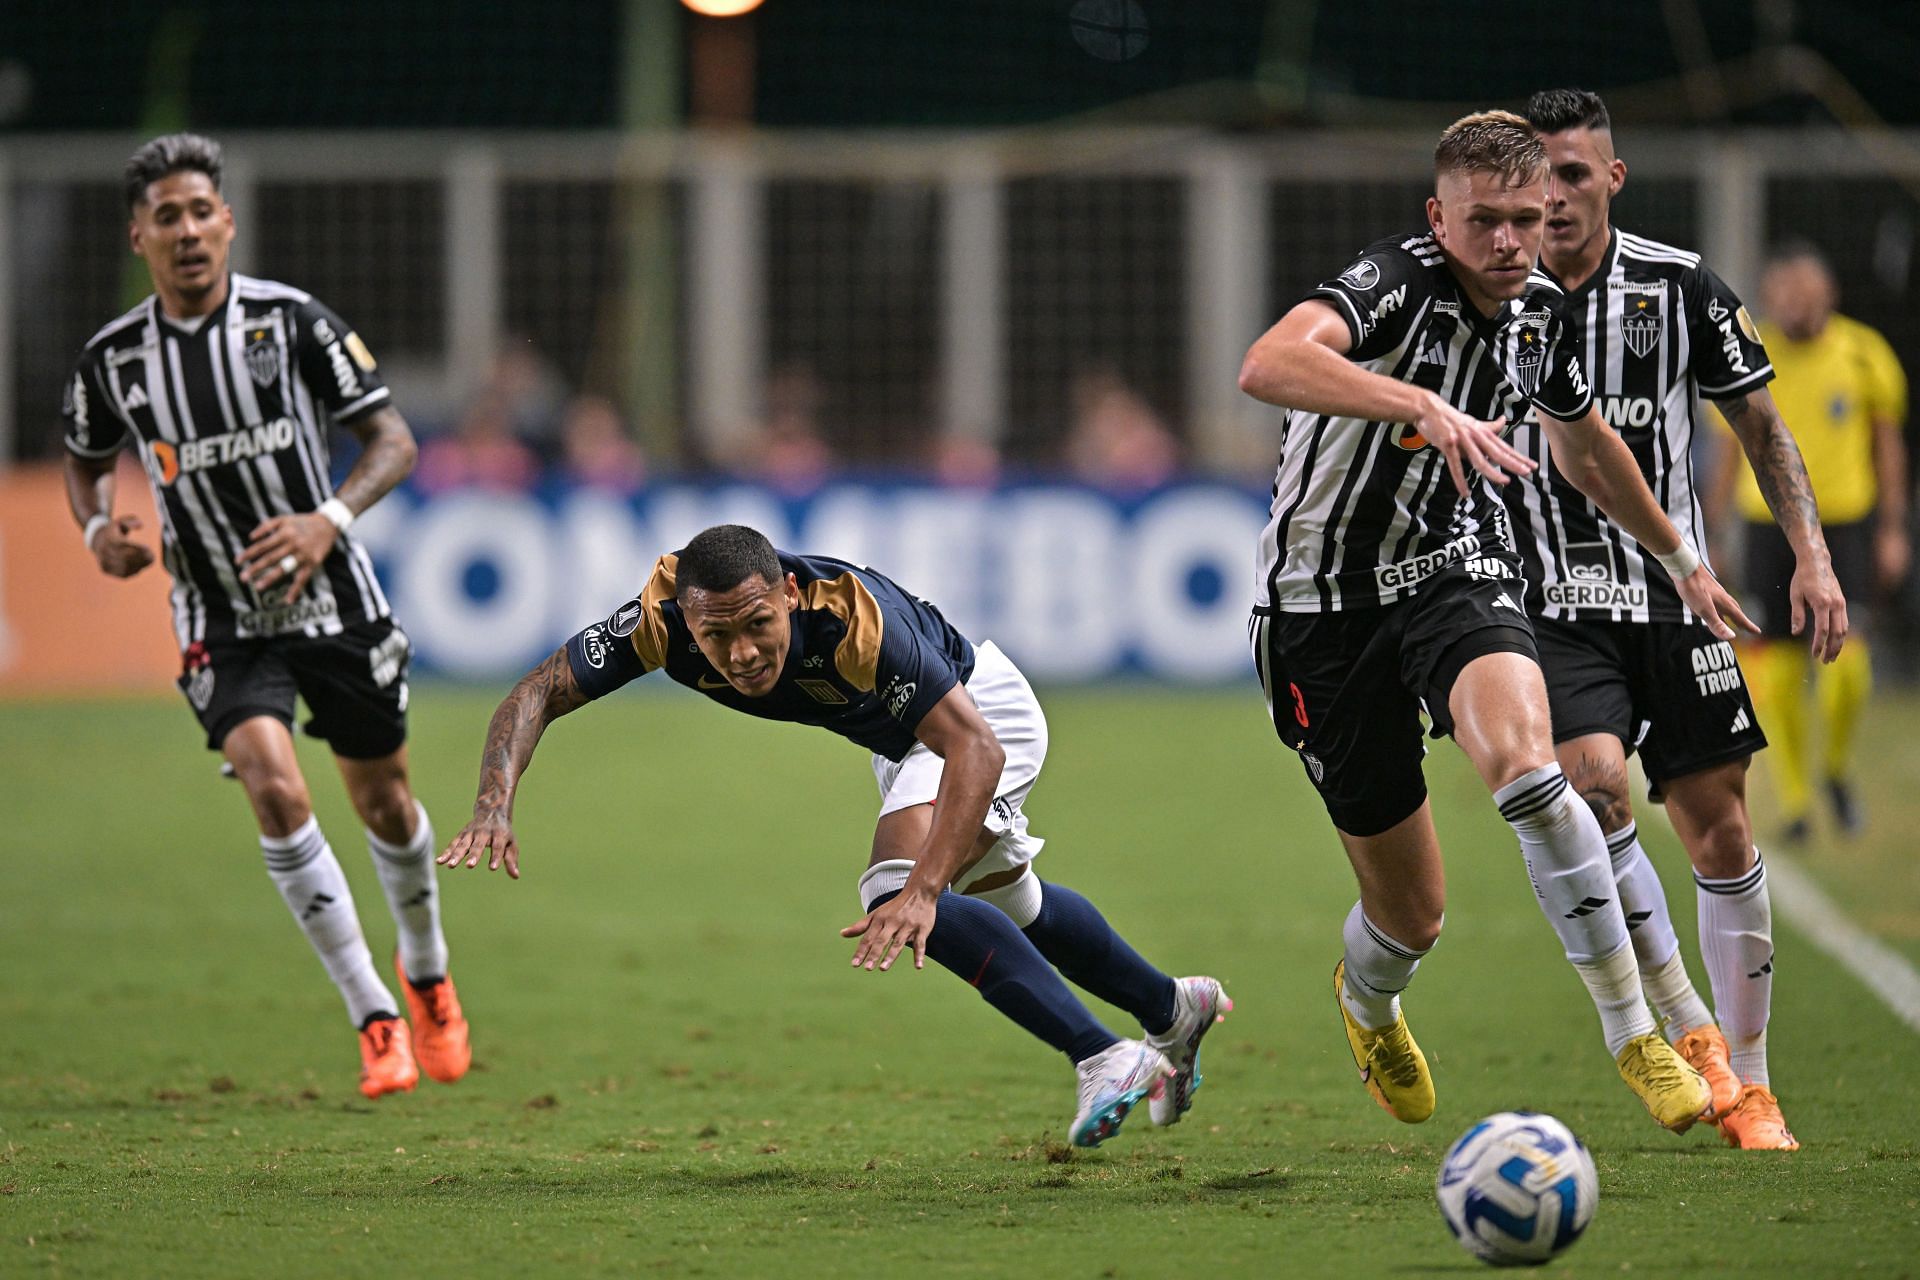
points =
(1673, 1092)
(1391, 1064)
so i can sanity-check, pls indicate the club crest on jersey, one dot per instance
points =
(1530, 352)
(1640, 326)
(823, 691)
(263, 357)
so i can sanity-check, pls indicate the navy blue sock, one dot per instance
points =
(1077, 940)
(978, 942)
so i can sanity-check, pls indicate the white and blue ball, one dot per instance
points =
(1517, 1188)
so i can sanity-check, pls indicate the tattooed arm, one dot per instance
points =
(387, 455)
(543, 695)
(1814, 593)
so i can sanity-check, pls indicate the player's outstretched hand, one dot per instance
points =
(488, 831)
(1816, 597)
(1468, 441)
(900, 922)
(119, 555)
(286, 549)
(1703, 594)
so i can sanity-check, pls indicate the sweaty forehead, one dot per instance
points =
(725, 608)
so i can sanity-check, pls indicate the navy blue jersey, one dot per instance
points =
(867, 658)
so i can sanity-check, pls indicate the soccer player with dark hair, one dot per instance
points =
(225, 386)
(1389, 581)
(957, 740)
(1630, 662)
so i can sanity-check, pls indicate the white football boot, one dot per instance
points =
(1198, 1003)
(1111, 1085)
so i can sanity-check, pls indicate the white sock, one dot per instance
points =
(1378, 969)
(406, 877)
(309, 878)
(1736, 937)
(1643, 901)
(1614, 983)
(1671, 993)
(1572, 878)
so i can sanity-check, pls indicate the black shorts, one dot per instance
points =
(1769, 570)
(354, 683)
(1669, 690)
(1345, 689)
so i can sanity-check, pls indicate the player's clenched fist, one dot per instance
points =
(489, 833)
(119, 555)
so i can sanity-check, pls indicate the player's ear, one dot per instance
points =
(791, 590)
(1436, 219)
(1616, 176)
(133, 235)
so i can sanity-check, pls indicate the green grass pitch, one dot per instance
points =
(676, 1073)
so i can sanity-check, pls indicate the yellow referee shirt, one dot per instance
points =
(1830, 392)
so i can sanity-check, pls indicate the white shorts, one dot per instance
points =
(1007, 704)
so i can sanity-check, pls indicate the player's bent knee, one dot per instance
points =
(387, 811)
(1724, 849)
(1612, 809)
(883, 878)
(1421, 933)
(280, 801)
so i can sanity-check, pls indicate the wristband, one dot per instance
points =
(1680, 562)
(98, 521)
(338, 513)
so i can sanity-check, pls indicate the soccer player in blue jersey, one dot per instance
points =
(957, 739)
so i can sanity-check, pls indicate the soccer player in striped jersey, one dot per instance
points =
(1389, 581)
(1629, 664)
(957, 741)
(225, 386)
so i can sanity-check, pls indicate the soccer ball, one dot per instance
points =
(1517, 1188)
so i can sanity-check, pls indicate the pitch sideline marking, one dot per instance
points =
(1886, 972)
(1806, 907)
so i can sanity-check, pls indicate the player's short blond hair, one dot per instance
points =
(1491, 142)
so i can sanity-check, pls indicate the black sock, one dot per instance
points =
(978, 942)
(1077, 940)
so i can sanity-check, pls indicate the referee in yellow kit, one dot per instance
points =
(1842, 391)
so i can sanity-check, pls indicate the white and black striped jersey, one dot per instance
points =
(1363, 512)
(229, 414)
(1656, 330)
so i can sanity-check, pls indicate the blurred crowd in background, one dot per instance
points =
(1104, 259)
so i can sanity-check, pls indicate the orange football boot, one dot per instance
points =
(439, 1027)
(386, 1058)
(1705, 1050)
(1755, 1123)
